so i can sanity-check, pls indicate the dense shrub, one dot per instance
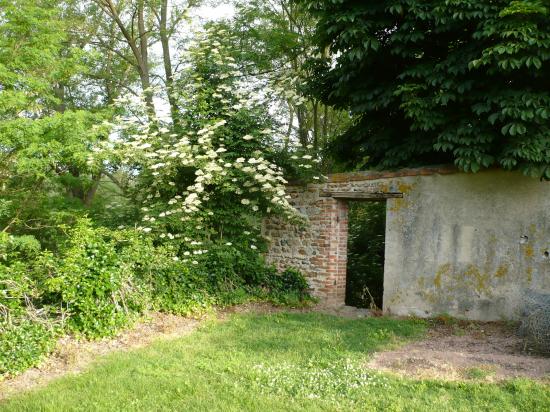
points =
(26, 334)
(94, 283)
(17, 285)
(99, 280)
(23, 344)
(173, 286)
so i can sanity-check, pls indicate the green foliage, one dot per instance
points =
(45, 140)
(31, 38)
(100, 280)
(44, 175)
(174, 286)
(290, 280)
(439, 81)
(26, 333)
(18, 260)
(94, 282)
(70, 254)
(23, 345)
(366, 247)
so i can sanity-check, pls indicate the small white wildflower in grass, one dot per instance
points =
(248, 137)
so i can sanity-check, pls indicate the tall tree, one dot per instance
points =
(44, 143)
(275, 38)
(140, 24)
(438, 81)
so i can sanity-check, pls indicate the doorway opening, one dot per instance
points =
(366, 248)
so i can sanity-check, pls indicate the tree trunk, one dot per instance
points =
(168, 72)
(143, 58)
(302, 127)
(316, 125)
(90, 194)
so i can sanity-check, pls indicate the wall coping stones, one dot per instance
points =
(375, 175)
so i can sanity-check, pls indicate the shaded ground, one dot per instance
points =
(457, 351)
(272, 362)
(73, 356)
(465, 350)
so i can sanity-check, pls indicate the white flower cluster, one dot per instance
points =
(162, 153)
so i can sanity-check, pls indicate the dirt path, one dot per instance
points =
(485, 351)
(72, 356)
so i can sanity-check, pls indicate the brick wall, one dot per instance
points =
(318, 248)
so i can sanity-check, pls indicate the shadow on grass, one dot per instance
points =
(311, 333)
(276, 362)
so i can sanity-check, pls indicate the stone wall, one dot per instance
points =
(318, 248)
(467, 245)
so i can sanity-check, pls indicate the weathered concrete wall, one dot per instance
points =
(466, 245)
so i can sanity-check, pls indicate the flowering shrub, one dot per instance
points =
(205, 184)
(213, 176)
(189, 223)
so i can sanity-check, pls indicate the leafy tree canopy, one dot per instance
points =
(436, 81)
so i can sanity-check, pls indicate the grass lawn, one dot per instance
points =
(277, 362)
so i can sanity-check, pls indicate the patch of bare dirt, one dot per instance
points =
(465, 350)
(344, 311)
(268, 308)
(72, 356)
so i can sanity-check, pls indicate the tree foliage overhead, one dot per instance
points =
(463, 81)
